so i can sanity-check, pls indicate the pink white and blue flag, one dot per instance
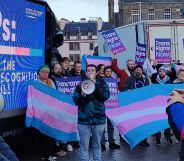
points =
(141, 112)
(52, 112)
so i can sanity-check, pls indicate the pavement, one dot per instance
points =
(164, 152)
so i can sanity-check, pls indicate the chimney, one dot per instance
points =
(100, 23)
(82, 20)
(111, 12)
(63, 22)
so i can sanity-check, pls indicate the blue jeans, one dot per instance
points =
(95, 131)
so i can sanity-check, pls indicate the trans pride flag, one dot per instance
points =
(52, 112)
(142, 112)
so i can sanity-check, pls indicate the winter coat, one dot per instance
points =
(122, 74)
(73, 74)
(131, 81)
(91, 109)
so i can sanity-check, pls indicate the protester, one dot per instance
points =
(43, 76)
(65, 62)
(175, 113)
(180, 77)
(74, 72)
(91, 115)
(108, 72)
(100, 70)
(137, 80)
(162, 78)
(110, 127)
(77, 70)
(122, 74)
(57, 73)
(45, 141)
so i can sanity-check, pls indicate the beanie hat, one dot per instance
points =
(41, 67)
(163, 68)
(138, 66)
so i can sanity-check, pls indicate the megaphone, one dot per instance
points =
(2, 103)
(88, 87)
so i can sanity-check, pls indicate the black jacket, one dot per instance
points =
(82, 74)
(130, 82)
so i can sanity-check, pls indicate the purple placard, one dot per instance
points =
(163, 50)
(183, 43)
(140, 54)
(67, 85)
(112, 102)
(113, 41)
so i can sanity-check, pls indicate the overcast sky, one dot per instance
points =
(77, 9)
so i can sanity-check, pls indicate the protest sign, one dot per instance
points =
(67, 85)
(140, 54)
(112, 102)
(163, 50)
(113, 41)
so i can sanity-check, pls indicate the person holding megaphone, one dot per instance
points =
(90, 97)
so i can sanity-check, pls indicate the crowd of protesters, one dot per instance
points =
(92, 129)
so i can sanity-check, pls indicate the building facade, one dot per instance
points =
(80, 38)
(131, 11)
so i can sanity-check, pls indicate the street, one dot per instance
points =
(164, 152)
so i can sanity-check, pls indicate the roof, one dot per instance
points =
(84, 27)
(152, 1)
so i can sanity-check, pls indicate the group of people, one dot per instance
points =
(91, 109)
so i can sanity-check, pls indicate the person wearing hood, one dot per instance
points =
(162, 78)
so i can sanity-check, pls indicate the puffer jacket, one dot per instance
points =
(91, 109)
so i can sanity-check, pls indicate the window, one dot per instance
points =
(74, 46)
(135, 16)
(89, 35)
(67, 36)
(167, 14)
(151, 14)
(91, 47)
(74, 57)
(78, 35)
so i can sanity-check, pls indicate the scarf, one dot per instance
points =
(46, 81)
(162, 81)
